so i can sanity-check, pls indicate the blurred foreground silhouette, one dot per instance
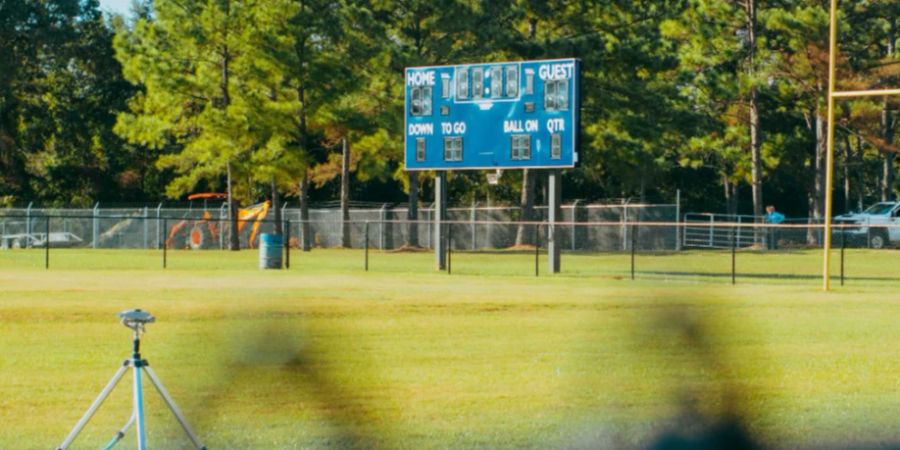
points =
(712, 409)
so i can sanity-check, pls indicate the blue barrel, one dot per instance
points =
(270, 251)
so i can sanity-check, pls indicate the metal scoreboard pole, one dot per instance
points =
(554, 188)
(440, 215)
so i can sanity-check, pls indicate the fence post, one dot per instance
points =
(28, 219)
(222, 222)
(165, 243)
(625, 226)
(868, 233)
(733, 255)
(449, 248)
(146, 228)
(678, 230)
(488, 228)
(430, 230)
(96, 227)
(158, 222)
(633, 248)
(382, 238)
(574, 219)
(537, 249)
(47, 245)
(472, 220)
(366, 245)
(286, 225)
(843, 246)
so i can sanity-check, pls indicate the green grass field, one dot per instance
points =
(327, 355)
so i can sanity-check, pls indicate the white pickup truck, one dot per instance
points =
(877, 227)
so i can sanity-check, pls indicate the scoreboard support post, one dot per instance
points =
(440, 215)
(554, 188)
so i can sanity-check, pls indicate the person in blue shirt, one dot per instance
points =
(775, 218)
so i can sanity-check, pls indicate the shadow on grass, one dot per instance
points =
(296, 363)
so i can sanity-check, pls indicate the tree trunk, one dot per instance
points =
(817, 199)
(234, 243)
(412, 213)
(304, 181)
(345, 194)
(755, 144)
(887, 128)
(305, 241)
(821, 149)
(524, 233)
(847, 156)
(276, 208)
(887, 178)
(642, 193)
(862, 179)
(526, 208)
(735, 198)
(731, 195)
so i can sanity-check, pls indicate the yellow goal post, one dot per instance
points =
(829, 158)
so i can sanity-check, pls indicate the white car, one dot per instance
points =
(878, 226)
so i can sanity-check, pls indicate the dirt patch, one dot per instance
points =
(409, 249)
(519, 248)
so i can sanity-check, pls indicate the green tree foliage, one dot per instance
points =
(709, 96)
(799, 43)
(60, 89)
(633, 119)
(210, 91)
(717, 51)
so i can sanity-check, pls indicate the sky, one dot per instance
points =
(116, 6)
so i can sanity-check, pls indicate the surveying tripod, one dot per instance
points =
(135, 320)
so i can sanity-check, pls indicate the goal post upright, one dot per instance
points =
(829, 157)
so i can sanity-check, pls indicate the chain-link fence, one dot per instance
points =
(722, 231)
(474, 228)
(492, 228)
(596, 240)
(583, 228)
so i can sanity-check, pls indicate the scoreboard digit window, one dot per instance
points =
(508, 115)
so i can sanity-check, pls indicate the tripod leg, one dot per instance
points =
(96, 405)
(120, 434)
(171, 404)
(139, 406)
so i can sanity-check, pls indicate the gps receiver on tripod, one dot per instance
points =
(136, 320)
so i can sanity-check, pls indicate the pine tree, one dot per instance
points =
(210, 87)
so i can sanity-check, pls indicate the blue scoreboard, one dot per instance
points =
(510, 115)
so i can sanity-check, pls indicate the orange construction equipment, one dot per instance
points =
(196, 234)
(256, 213)
(208, 196)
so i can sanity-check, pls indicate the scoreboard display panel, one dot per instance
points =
(509, 115)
